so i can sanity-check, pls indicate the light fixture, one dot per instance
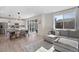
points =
(19, 15)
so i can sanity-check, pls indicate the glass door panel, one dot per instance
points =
(32, 26)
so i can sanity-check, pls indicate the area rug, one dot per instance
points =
(42, 49)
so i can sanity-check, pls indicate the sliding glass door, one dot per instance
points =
(32, 25)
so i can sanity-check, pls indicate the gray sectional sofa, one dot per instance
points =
(65, 44)
(68, 41)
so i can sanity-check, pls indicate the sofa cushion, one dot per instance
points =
(69, 42)
(50, 38)
(64, 48)
(63, 33)
(74, 34)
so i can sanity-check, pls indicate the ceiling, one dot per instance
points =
(28, 11)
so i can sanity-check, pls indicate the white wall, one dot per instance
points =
(46, 24)
(39, 18)
(4, 20)
(26, 24)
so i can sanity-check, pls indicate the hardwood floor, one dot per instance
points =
(25, 44)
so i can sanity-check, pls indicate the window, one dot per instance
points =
(65, 21)
(59, 21)
(69, 20)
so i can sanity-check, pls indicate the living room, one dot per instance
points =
(39, 29)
